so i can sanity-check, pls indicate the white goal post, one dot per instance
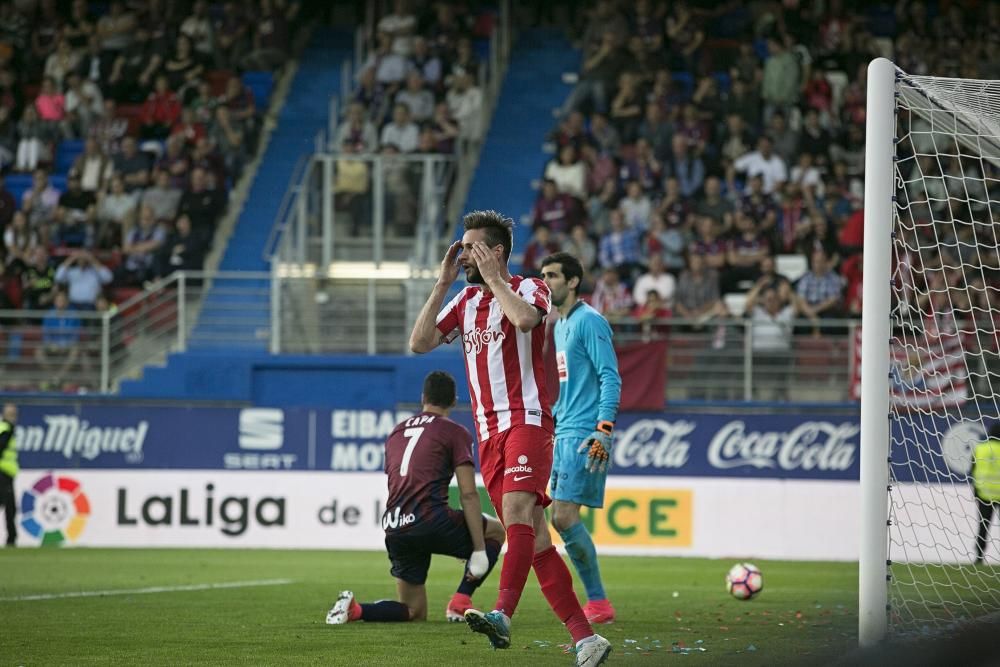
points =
(930, 375)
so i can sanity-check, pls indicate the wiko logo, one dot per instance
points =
(478, 338)
(262, 428)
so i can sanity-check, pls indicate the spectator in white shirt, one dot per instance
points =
(85, 276)
(198, 27)
(771, 339)
(357, 130)
(390, 68)
(763, 162)
(416, 97)
(655, 280)
(635, 206)
(465, 102)
(400, 25)
(807, 176)
(569, 173)
(84, 103)
(401, 132)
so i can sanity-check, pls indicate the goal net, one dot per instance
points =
(932, 211)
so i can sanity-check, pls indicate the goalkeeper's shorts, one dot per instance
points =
(570, 481)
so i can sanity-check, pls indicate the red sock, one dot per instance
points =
(516, 566)
(557, 587)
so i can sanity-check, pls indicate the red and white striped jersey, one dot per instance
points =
(505, 366)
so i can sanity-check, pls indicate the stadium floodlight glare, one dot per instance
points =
(930, 370)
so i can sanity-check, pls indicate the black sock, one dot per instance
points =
(385, 611)
(467, 587)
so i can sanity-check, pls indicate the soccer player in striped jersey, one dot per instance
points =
(497, 318)
(585, 412)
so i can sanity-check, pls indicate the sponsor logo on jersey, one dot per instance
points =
(514, 469)
(477, 339)
(395, 518)
(562, 366)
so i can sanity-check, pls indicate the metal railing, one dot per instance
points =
(729, 359)
(466, 157)
(87, 351)
(297, 308)
(398, 216)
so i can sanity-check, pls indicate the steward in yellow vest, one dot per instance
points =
(986, 482)
(8, 469)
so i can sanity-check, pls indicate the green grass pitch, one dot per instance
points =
(670, 610)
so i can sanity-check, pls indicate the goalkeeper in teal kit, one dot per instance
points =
(589, 393)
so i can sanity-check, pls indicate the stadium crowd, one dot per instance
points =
(417, 92)
(122, 127)
(703, 141)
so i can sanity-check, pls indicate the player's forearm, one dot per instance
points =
(474, 519)
(425, 336)
(611, 393)
(601, 351)
(522, 314)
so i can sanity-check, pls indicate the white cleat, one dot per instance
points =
(340, 612)
(592, 650)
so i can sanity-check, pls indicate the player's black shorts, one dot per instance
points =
(410, 550)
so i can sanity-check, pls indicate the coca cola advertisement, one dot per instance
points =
(770, 446)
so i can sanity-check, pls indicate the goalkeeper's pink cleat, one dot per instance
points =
(599, 611)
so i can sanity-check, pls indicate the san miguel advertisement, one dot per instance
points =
(770, 446)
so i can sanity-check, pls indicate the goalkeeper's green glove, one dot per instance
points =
(597, 446)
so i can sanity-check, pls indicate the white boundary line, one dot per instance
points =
(151, 589)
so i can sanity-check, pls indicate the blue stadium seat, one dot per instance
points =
(760, 48)
(481, 48)
(725, 82)
(66, 154)
(685, 81)
(18, 184)
(882, 20)
(261, 84)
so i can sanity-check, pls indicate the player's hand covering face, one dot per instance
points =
(449, 265)
(486, 262)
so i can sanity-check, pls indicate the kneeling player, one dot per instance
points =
(421, 454)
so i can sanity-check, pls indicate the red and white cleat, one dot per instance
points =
(599, 611)
(459, 603)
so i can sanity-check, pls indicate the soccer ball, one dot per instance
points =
(744, 580)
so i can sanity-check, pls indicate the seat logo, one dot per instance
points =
(262, 428)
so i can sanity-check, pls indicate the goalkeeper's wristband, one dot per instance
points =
(605, 427)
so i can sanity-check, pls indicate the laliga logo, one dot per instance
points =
(814, 444)
(395, 519)
(478, 338)
(54, 509)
